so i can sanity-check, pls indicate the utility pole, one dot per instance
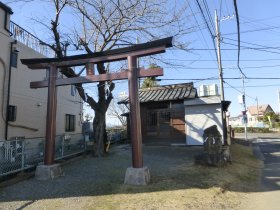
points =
(218, 40)
(244, 112)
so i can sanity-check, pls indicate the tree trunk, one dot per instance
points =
(99, 122)
(99, 128)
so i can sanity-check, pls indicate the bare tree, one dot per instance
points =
(116, 110)
(107, 24)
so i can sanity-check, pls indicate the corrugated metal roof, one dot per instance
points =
(165, 93)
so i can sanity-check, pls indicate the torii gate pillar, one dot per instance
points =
(50, 170)
(137, 174)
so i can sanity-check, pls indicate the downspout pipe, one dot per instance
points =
(9, 89)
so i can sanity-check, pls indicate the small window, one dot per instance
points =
(14, 58)
(12, 113)
(70, 122)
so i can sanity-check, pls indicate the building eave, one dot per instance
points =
(6, 8)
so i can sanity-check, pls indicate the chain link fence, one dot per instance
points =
(19, 153)
(22, 153)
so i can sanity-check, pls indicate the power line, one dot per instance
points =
(205, 20)
(199, 27)
(225, 78)
(253, 30)
(259, 20)
(235, 88)
(264, 49)
(271, 85)
(262, 46)
(208, 27)
(245, 67)
(253, 23)
(238, 37)
(209, 14)
(207, 60)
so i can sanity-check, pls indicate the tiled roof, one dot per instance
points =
(165, 93)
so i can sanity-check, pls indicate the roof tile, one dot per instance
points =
(166, 93)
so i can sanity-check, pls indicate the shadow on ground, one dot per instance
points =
(171, 168)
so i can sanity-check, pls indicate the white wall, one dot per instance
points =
(198, 117)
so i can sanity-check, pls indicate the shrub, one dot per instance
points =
(251, 130)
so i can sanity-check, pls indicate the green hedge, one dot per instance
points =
(252, 130)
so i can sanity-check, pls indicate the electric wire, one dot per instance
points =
(238, 90)
(194, 16)
(208, 27)
(250, 43)
(238, 37)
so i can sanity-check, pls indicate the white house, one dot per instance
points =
(256, 113)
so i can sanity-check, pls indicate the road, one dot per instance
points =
(270, 149)
(268, 197)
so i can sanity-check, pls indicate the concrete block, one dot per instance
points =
(137, 176)
(47, 172)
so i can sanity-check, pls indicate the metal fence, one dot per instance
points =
(20, 154)
(28, 39)
(117, 135)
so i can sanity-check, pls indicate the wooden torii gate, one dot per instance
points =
(132, 74)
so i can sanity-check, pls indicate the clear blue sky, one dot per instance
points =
(260, 30)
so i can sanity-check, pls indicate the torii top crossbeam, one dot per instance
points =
(138, 50)
(130, 54)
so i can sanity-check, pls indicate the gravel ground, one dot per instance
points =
(93, 177)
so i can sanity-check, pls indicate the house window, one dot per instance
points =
(70, 122)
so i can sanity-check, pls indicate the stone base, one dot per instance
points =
(45, 172)
(137, 176)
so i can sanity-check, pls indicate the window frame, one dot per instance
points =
(70, 122)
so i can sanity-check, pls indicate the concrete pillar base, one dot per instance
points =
(137, 176)
(47, 172)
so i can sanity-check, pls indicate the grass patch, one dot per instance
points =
(188, 186)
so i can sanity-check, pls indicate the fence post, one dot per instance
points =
(62, 146)
(22, 154)
(85, 142)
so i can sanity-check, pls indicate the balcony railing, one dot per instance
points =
(28, 39)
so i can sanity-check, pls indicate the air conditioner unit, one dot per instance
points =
(208, 90)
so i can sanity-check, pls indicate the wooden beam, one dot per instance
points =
(151, 72)
(101, 59)
(138, 50)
